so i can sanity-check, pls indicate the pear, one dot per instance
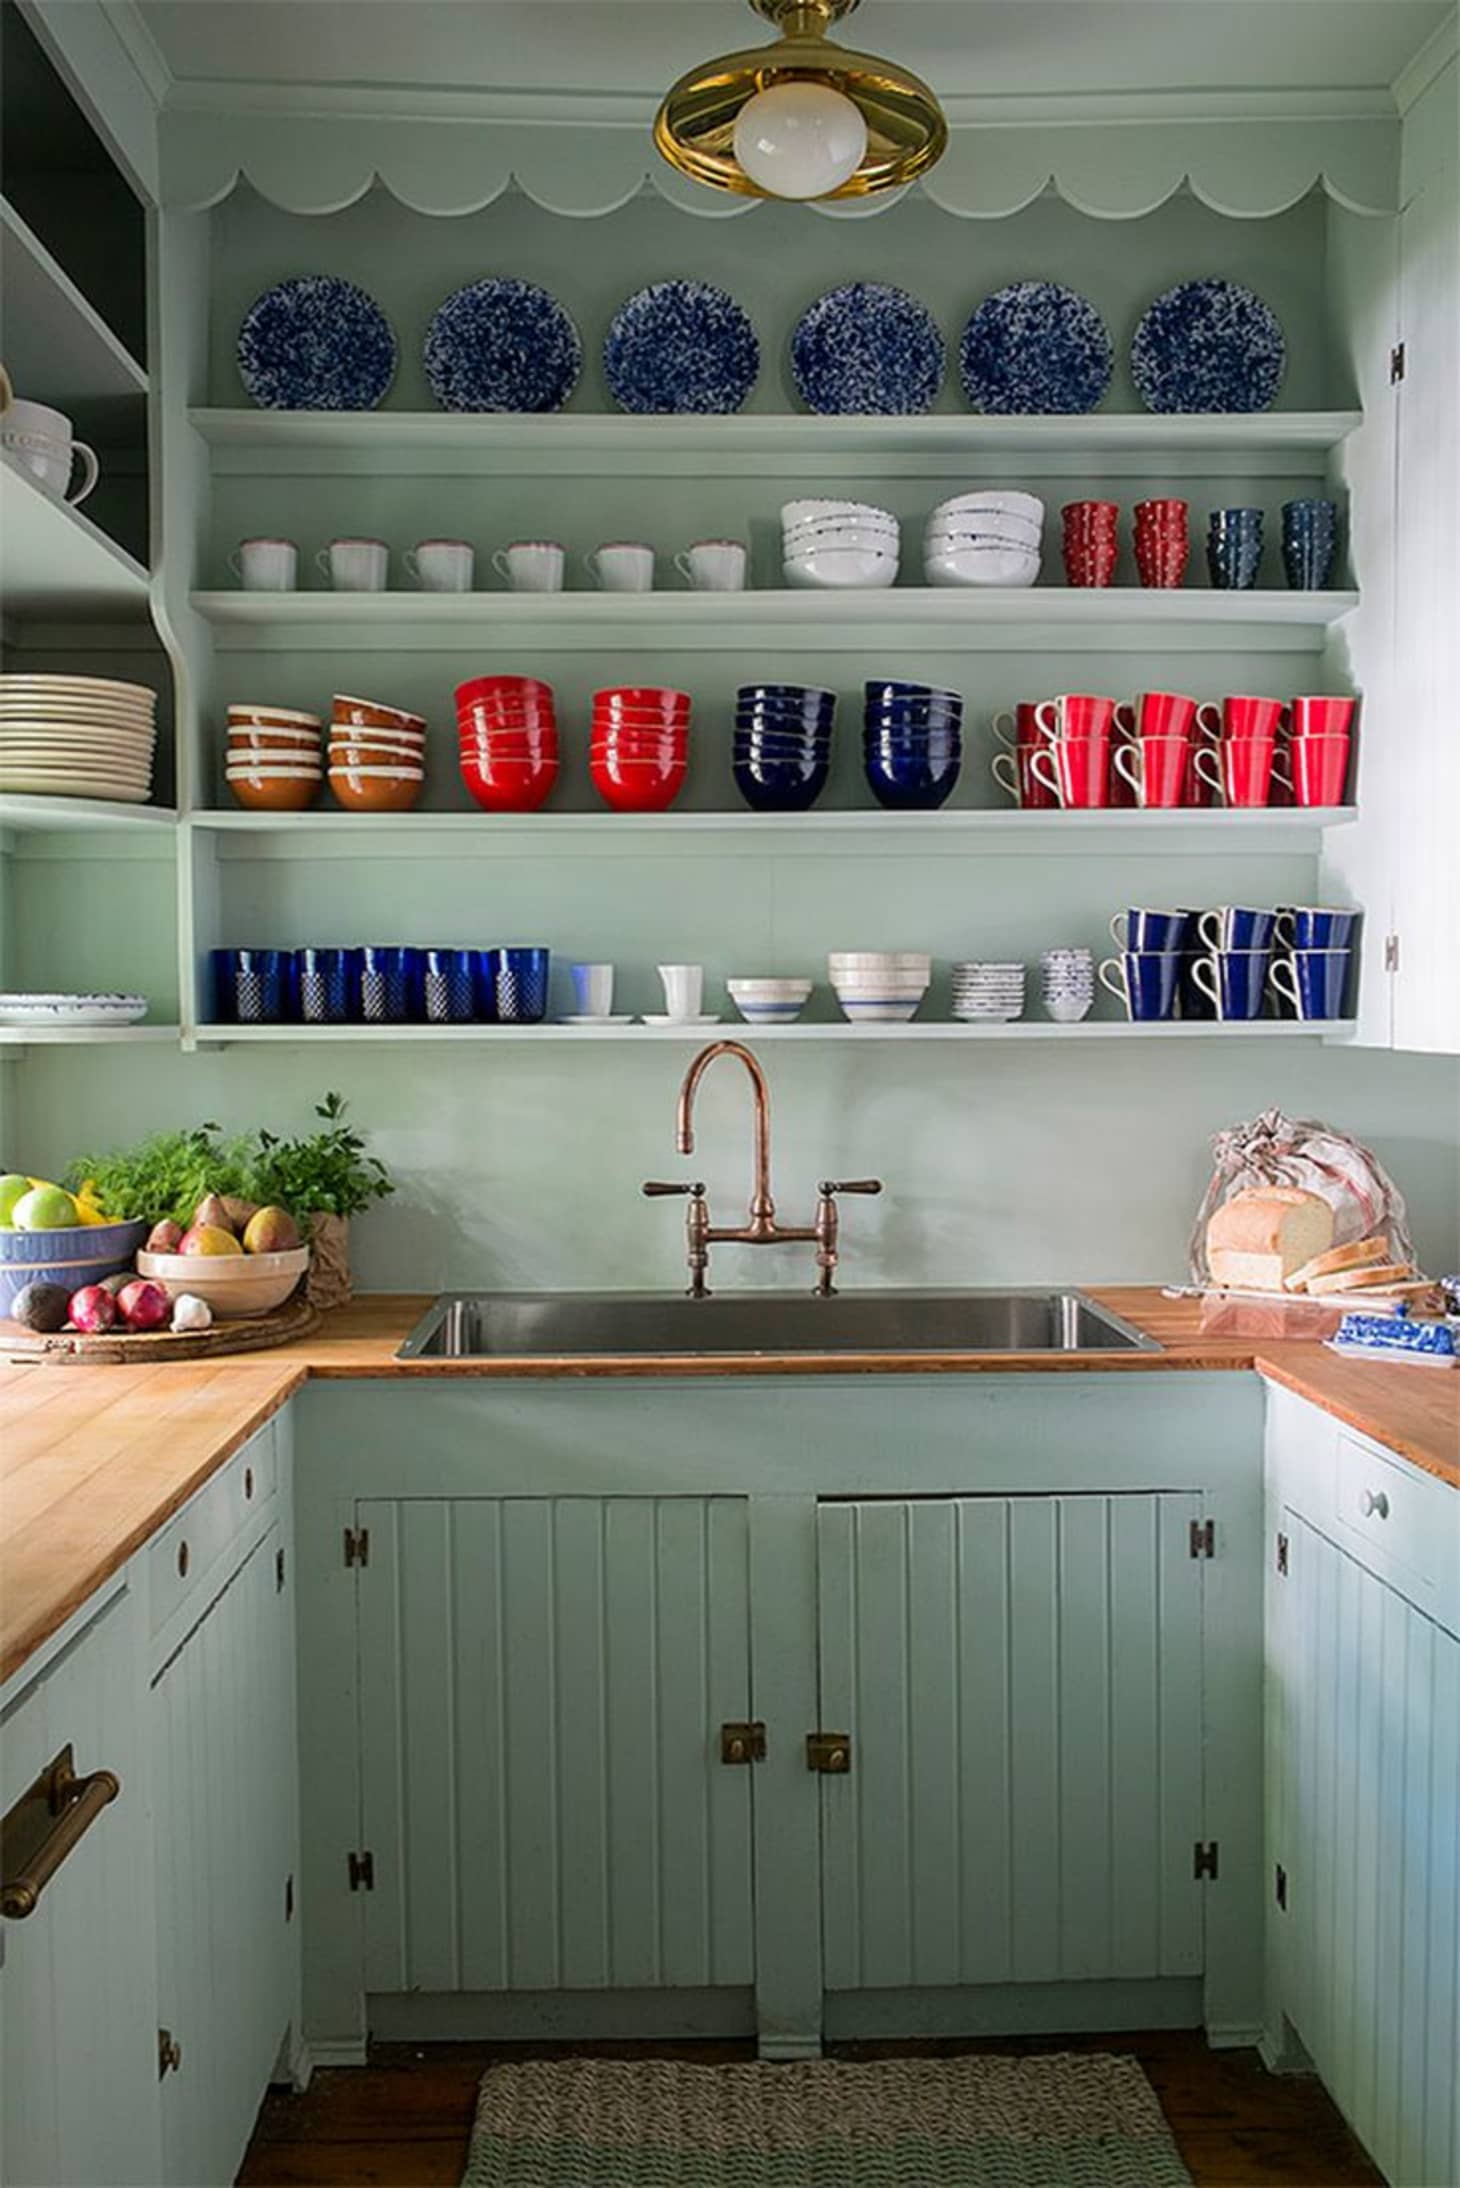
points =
(209, 1239)
(164, 1237)
(271, 1231)
(211, 1214)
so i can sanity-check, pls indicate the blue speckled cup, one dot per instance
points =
(1310, 542)
(1234, 549)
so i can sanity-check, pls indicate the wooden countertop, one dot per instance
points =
(94, 1460)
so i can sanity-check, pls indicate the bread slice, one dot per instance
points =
(1257, 1239)
(1373, 1277)
(1356, 1256)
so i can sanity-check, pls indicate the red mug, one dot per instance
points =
(1091, 542)
(1075, 769)
(1319, 770)
(1154, 768)
(1314, 717)
(1014, 773)
(1241, 769)
(1240, 715)
(1156, 714)
(1019, 728)
(1075, 715)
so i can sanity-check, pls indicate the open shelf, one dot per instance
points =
(55, 563)
(85, 1036)
(975, 620)
(25, 812)
(57, 348)
(1034, 1029)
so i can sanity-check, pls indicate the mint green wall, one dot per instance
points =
(1002, 1164)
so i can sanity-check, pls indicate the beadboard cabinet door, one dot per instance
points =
(1368, 1841)
(226, 1823)
(542, 1683)
(1021, 1680)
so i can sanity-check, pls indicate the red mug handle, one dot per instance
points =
(1041, 759)
(1134, 772)
(1209, 719)
(1213, 778)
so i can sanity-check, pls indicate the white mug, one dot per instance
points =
(593, 987)
(684, 989)
(713, 566)
(355, 565)
(621, 566)
(442, 565)
(39, 439)
(531, 565)
(266, 565)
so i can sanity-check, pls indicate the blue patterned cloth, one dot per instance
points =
(502, 345)
(1035, 347)
(316, 343)
(867, 350)
(680, 346)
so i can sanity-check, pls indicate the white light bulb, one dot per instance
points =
(799, 139)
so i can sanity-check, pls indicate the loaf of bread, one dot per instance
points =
(1257, 1239)
(1360, 1254)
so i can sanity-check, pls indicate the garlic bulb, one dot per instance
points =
(190, 1313)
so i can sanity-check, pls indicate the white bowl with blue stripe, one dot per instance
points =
(769, 1002)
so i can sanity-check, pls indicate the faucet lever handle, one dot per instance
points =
(662, 1188)
(849, 1185)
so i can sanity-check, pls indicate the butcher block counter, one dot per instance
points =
(94, 1460)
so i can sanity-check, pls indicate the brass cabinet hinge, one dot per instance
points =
(1204, 1859)
(289, 1898)
(1391, 953)
(169, 2054)
(362, 1871)
(829, 1752)
(357, 1545)
(1203, 1538)
(1282, 1555)
(279, 1570)
(1397, 363)
(1280, 1885)
(743, 1741)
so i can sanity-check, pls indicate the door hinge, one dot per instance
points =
(1282, 1555)
(1204, 1859)
(1397, 362)
(743, 1742)
(357, 1545)
(169, 2054)
(1391, 953)
(279, 1570)
(362, 1872)
(289, 1898)
(829, 1752)
(1280, 1885)
(1203, 1538)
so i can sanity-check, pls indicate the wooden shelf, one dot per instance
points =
(33, 813)
(1034, 1029)
(55, 563)
(972, 620)
(58, 349)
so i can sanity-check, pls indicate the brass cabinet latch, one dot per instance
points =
(46, 1823)
(829, 1752)
(743, 1742)
(169, 2053)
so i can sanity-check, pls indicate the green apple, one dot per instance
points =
(46, 1208)
(13, 1187)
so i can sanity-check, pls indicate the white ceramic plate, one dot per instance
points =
(71, 786)
(87, 687)
(703, 1018)
(72, 1010)
(102, 709)
(625, 1018)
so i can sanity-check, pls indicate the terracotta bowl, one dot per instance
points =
(245, 716)
(274, 789)
(289, 745)
(376, 789)
(360, 749)
(374, 714)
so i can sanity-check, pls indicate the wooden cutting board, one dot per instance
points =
(151, 1348)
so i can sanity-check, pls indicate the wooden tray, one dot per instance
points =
(150, 1348)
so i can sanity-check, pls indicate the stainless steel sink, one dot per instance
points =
(517, 1325)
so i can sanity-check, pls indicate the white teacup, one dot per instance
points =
(266, 565)
(355, 565)
(531, 565)
(39, 440)
(593, 987)
(442, 565)
(713, 566)
(684, 989)
(622, 566)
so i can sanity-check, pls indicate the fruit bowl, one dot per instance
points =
(232, 1284)
(83, 1253)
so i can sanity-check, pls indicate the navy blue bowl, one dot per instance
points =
(798, 693)
(912, 784)
(792, 718)
(768, 789)
(938, 744)
(913, 720)
(775, 746)
(889, 690)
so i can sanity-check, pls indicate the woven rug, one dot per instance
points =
(1063, 2120)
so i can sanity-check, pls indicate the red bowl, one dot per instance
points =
(661, 753)
(484, 717)
(502, 687)
(643, 695)
(636, 720)
(509, 787)
(637, 789)
(509, 740)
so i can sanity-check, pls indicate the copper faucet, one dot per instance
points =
(762, 1228)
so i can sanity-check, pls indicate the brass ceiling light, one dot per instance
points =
(803, 118)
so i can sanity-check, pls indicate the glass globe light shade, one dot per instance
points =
(799, 139)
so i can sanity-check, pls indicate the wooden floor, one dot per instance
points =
(402, 2121)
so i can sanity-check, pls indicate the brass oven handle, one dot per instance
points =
(75, 1803)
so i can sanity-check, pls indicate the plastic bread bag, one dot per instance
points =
(1276, 1150)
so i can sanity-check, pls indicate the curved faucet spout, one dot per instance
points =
(762, 1207)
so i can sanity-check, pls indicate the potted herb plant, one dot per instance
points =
(323, 1178)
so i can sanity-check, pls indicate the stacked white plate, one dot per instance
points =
(879, 987)
(990, 537)
(839, 544)
(53, 1012)
(769, 1002)
(987, 991)
(1067, 984)
(77, 737)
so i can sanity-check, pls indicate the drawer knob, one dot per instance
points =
(183, 1560)
(247, 1482)
(1374, 1504)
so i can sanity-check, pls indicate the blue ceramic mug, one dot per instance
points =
(1310, 538)
(1315, 927)
(1144, 980)
(1234, 548)
(389, 979)
(1312, 982)
(327, 985)
(252, 987)
(1234, 981)
(448, 986)
(512, 984)
(1236, 927)
(1193, 1002)
(1140, 929)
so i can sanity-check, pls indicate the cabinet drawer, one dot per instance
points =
(1402, 1523)
(191, 1544)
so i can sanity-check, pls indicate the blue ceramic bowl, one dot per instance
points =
(80, 1254)
(912, 783)
(768, 788)
(793, 719)
(781, 748)
(938, 745)
(812, 694)
(891, 691)
(913, 720)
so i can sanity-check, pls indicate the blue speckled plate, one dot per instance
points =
(316, 342)
(501, 344)
(680, 345)
(867, 349)
(1035, 346)
(1208, 345)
